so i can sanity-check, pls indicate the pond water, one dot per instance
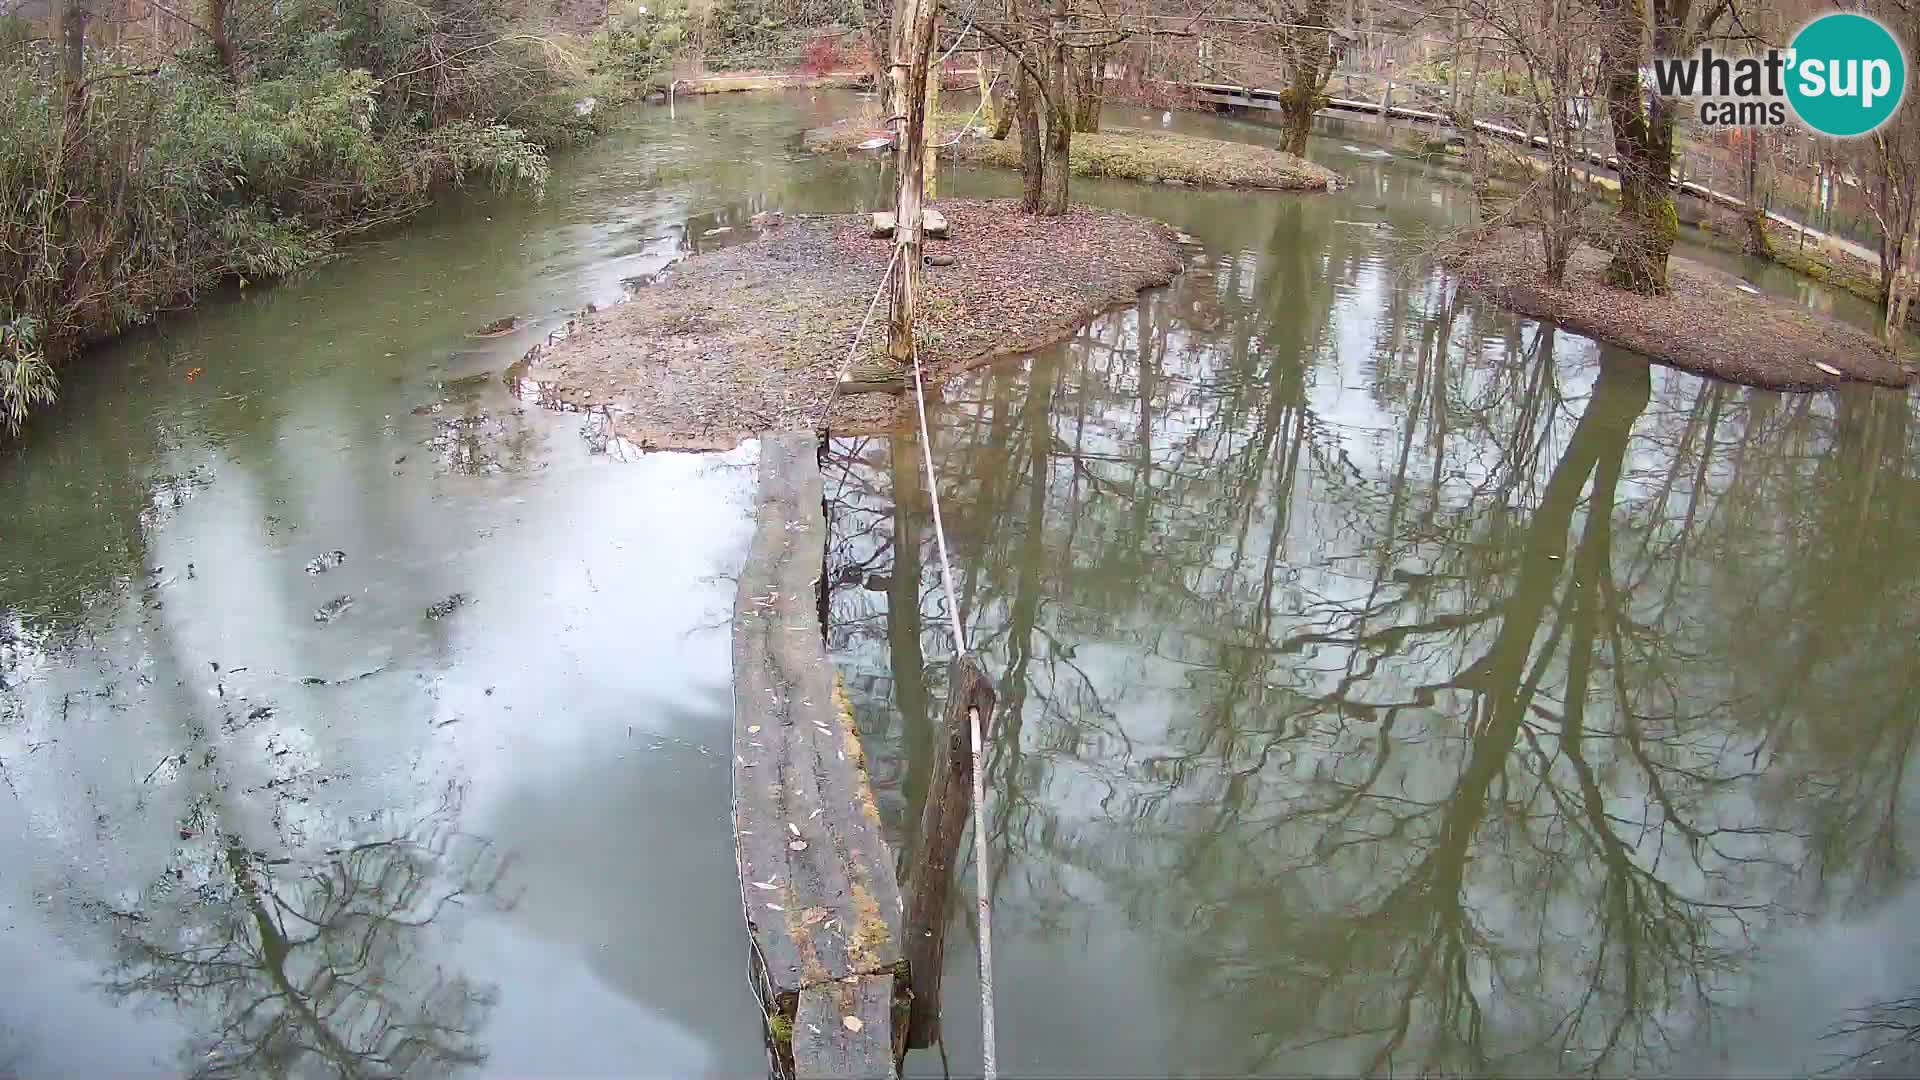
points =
(1389, 683)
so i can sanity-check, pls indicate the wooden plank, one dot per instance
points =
(943, 820)
(826, 1046)
(817, 882)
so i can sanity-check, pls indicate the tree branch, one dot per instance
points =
(1019, 54)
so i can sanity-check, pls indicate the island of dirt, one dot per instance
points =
(754, 337)
(1708, 323)
(1158, 157)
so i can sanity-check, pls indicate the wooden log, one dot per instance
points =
(874, 377)
(826, 1045)
(943, 820)
(817, 882)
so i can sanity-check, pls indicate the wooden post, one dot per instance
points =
(943, 820)
(914, 22)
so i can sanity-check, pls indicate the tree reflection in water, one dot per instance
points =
(1483, 716)
(323, 969)
(1890, 1031)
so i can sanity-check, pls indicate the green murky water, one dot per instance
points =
(1389, 684)
(1392, 685)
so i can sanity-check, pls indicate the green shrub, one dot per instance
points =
(160, 181)
(641, 40)
(25, 378)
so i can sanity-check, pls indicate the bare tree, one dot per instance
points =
(1307, 56)
(1089, 88)
(1892, 168)
(1755, 216)
(1643, 126)
(876, 23)
(1056, 57)
(1548, 40)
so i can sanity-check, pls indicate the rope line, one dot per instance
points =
(847, 368)
(977, 110)
(987, 1057)
(987, 1038)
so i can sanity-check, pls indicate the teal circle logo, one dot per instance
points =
(1846, 74)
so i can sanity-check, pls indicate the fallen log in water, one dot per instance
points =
(817, 882)
(943, 821)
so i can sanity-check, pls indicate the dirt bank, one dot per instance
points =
(732, 82)
(1126, 153)
(753, 337)
(1708, 325)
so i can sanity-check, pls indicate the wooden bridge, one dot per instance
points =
(846, 966)
(817, 883)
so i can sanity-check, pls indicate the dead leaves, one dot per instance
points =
(1020, 284)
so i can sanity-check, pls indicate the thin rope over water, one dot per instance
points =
(990, 1067)
(977, 109)
(847, 368)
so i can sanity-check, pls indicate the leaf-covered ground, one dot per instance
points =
(753, 337)
(1125, 153)
(1708, 324)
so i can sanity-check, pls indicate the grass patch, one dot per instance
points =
(1836, 269)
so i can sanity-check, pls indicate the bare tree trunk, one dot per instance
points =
(996, 108)
(1459, 46)
(68, 19)
(1090, 89)
(1905, 286)
(1894, 205)
(1643, 143)
(913, 24)
(1054, 178)
(223, 40)
(1053, 192)
(1559, 225)
(1757, 242)
(1026, 112)
(877, 19)
(1478, 165)
(1309, 57)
